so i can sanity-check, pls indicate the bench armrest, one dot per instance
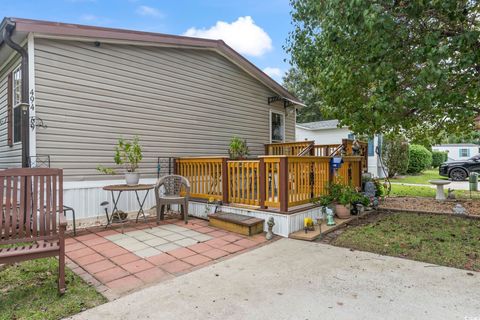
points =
(62, 220)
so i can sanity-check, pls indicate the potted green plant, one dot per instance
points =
(238, 149)
(129, 154)
(343, 197)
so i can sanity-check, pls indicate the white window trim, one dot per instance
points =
(270, 125)
(18, 68)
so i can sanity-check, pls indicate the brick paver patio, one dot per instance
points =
(145, 253)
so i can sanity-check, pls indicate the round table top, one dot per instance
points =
(126, 187)
(439, 182)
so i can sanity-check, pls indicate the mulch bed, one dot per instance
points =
(430, 205)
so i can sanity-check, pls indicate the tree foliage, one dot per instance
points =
(391, 66)
(395, 154)
(296, 82)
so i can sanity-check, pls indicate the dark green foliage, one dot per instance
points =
(420, 159)
(438, 157)
(391, 66)
(395, 153)
(295, 82)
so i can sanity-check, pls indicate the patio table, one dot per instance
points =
(120, 188)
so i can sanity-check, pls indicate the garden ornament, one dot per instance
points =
(459, 209)
(450, 194)
(370, 189)
(330, 219)
(270, 224)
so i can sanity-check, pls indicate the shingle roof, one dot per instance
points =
(457, 145)
(75, 30)
(319, 125)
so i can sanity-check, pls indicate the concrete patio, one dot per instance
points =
(291, 279)
(117, 263)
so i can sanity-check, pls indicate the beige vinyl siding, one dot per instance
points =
(180, 102)
(10, 157)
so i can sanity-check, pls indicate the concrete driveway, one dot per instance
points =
(291, 279)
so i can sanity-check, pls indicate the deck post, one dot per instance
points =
(262, 183)
(174, 165)
(225, 181)
(283, 184)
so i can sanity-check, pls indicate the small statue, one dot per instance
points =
(451, 195)
(270, 225)
(330, 217)
(459, 209)
(356, 149)
(370, 189)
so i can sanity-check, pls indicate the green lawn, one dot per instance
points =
(427, 192)
(422, 178)
(29, 291)
(437, 239)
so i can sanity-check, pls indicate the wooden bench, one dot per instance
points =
(31, 211)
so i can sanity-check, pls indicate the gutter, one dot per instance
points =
(8, 27)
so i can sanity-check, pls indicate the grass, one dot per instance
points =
(28, 290)
(423, 178)
(437, 239)
(427, 192)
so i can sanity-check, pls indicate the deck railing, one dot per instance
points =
(244, 182)
(279, 182)
(205, 175)
(286, 148)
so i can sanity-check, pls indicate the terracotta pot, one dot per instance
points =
(343, 212)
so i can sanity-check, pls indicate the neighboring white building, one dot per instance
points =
(328, 132)
(458, 151)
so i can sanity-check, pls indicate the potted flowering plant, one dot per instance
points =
(129, 154)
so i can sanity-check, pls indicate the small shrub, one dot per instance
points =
(419, 159)
(395, 155)
(438, 157)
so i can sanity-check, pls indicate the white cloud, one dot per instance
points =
(149, 11)
(242, 35)
(275, 73)
(91, 18)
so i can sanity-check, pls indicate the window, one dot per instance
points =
(463, 153)
(351, 136)
(277, 126)
(17, 99)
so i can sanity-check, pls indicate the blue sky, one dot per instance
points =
(256, 28)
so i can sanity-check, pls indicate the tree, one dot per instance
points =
(295, 82)
(391, 66)
(395, 154)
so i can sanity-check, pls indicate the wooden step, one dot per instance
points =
(237, 223)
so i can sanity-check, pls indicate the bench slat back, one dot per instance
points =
(30, 201)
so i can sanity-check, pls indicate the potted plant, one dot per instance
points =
(238, 149)
(343, 197)
(128, 154)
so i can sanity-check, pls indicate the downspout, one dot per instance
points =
(7, 34)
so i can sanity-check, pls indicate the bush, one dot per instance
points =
(438, 157)
(419, 159)
(395, 155)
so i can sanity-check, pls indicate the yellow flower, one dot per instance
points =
(211, 199)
